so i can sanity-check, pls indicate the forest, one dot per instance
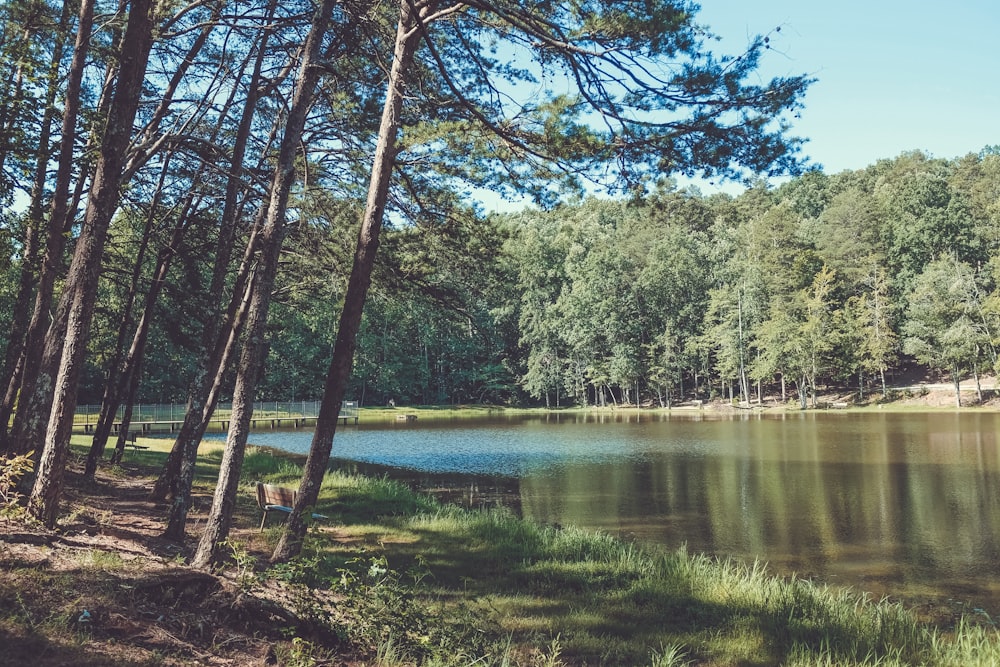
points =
(258, 200)
(838, 280)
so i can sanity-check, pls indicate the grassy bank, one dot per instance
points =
(396, 578)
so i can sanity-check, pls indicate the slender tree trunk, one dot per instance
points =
(81, 286)
(215, 337)
(147, 143)
(979, 386)
(123, 383)
(21, 315)
(124, 375)
(744, 386)
(122, 366)
(407, 39)
(254, 347)
(203, 394)
(30, 414)
(129, 403)
(958, 386)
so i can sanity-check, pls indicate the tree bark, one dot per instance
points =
(34, 338)
(214, 357)
(407, 39)
(21, 315)
(254, 347)
(81, 287)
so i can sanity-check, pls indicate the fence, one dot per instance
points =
(165, 413)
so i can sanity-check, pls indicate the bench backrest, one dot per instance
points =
(272, 494)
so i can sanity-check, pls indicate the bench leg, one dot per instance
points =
(262, 520)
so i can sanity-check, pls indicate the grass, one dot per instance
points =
(579, 597)
(396, 578)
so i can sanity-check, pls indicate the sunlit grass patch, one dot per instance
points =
(361, 499)
(582, 576)
(108, 561)
(261, 464)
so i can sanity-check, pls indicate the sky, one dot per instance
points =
(891, 75)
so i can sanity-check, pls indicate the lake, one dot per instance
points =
(896, 503)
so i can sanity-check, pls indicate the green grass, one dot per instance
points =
(579, 597)
(418, 582)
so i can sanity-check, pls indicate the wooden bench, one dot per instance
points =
(274, 498)
(131, 440)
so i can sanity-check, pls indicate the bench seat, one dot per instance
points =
(274, 498)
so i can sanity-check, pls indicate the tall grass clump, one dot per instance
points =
(970, 646)
(261, 464)
(12, 470)
(363, 498)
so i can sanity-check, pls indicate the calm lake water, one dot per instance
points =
(887, 503)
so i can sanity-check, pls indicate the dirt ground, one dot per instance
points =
(107, 589)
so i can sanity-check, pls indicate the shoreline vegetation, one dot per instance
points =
(396, 577)
(920, 397)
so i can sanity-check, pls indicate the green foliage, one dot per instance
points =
(244, 562)
(941, 330)
(12, 469)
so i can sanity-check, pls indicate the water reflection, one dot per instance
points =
(873, 500)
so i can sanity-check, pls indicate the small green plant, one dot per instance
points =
(551, 657)
(246, 578)
(11, 472)
(668, 656)
(301, 653)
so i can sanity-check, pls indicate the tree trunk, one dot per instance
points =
(81, 285)
(216, 337)
(254, 347)
(21, 388)
(122, 439)
(407, 38)
(21, 315)
(124, 364)
(203, 394)
(958, 386)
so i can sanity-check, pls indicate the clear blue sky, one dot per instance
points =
(892, 75)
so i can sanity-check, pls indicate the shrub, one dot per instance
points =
(11, 472)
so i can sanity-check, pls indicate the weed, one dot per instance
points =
(107, 561)
(246, 578)
(11, 471)
(668, 656)
(551, 657)
(299, 653)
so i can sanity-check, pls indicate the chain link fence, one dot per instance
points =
(173, 413)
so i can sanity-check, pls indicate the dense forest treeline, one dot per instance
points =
(828, 280)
